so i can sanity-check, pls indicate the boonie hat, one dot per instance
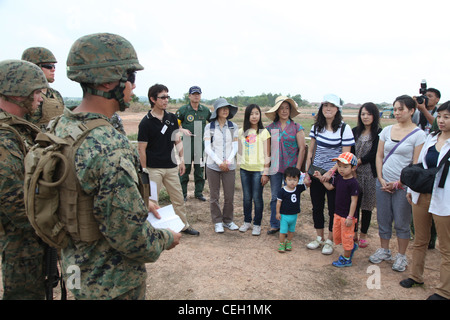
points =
(220, 103)
(347, 158)
(278, 101)
(195, 89)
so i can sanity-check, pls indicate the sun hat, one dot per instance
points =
(347, 158)
(334, 99)
(278, 101)
(220, 103)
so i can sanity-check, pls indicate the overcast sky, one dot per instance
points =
(360, 50)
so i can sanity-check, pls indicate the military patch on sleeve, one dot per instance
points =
(190, 118)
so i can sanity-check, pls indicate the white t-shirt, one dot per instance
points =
(402, 156)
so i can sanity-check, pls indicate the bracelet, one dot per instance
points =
(348, 217)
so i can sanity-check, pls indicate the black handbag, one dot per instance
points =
(421, 180)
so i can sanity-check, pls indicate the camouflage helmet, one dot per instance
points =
(38, 55)
(101, 58)
(20, 78)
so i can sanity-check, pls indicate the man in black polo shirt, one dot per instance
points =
(157, 136)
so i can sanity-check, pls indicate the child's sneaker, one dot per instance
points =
(315, 243)
(380, 255)
(342, 262)
(288, 245)
(282, 247)
(245, 227)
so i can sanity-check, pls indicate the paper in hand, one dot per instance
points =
(169, 219)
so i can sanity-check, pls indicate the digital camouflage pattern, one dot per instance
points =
(101, 58)
(38, 55)
(107, 166)
(20, 78)
(22, 251)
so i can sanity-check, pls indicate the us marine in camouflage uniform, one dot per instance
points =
(53, 103)
(22, 251)
(106, 166)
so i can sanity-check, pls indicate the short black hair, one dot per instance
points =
(293, 172)
(435, 91)
(153, 92)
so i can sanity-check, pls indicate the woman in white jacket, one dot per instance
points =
(433, 206)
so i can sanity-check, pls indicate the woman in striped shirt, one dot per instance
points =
(329, 138)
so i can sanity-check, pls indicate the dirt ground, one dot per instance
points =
(237, 266)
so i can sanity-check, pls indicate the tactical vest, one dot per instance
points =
(51, 107)
(8, 122)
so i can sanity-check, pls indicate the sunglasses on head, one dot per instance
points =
(48, 66)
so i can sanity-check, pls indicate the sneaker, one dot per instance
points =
(232, 226)
(218, 227)
(400, 263)
(342, 262)
(409, 283)
(315, 243)
(327, 247)
(380, 255)
(281, 247)
(245, 227)
(256, 230)
(288, 245)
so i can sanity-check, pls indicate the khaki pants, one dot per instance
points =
(422, 225)
(171, 181)
(228, 181)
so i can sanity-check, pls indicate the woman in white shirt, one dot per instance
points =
(400, 144)
(221, 146)
(433, 206)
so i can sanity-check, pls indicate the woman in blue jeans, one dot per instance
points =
(254, 157)
(287, 148)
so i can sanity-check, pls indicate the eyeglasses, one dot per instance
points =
(48, 66)
(132, 77)
(164, 97)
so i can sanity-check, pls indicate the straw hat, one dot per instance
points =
(278, 101)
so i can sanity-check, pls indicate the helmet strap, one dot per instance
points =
(26, 104)
(117, 93)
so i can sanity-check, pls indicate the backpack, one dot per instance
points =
(49, 165)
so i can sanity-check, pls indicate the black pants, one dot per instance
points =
(318, 192)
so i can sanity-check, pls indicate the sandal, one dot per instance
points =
(363, 243)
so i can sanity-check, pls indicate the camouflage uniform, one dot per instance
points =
(53, 104)
(22, 251)
(106, 166)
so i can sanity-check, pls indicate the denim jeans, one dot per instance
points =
(253, 192)
(276, 181)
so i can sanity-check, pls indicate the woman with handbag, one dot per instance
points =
(400, 144)
(287, 149)
(329, 138)
(365, 149)
(435, 205)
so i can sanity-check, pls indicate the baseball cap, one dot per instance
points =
(195, 89)
(347, 158)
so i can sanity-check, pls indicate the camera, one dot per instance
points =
(423, 89)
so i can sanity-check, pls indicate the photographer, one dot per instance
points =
(426, 108)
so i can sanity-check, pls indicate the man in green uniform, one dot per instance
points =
(53, 103)
(21, 250)
(192, 118)
(106, 166)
